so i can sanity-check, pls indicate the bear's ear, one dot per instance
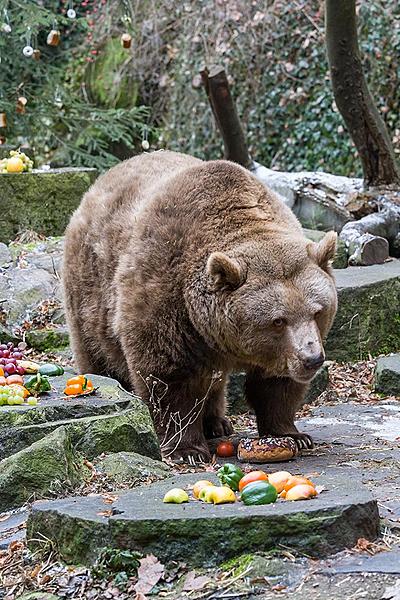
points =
(324, 251)
(225, 272)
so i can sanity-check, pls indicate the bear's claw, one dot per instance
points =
(303, 441)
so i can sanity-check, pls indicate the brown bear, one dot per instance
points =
(178, 271)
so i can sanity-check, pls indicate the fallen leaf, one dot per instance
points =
(109, 498)
(16, 546)
(195, 583)
(149, 573)
(105, 513)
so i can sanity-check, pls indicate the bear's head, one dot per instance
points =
(272, 302)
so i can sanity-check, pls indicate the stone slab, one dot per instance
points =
(387, 375)
(383, 562)
(368, 317)
(42, 201)
(203, 534)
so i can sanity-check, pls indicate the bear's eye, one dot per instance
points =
(278, 323)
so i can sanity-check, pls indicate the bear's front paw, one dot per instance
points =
(192, 455)
(215, 427)
(303, 440)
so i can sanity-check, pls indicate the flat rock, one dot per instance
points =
(203, 534)
(112, 420)
(12, 528)
(387, 375)
(383, 562)
(48, 339)
(367, 320)
(131, 466)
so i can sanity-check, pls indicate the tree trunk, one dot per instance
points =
(353, 97)
(217, 88)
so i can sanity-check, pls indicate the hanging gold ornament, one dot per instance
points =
(3, 119)
(21, 103)
(36, 54)
(126, 40)
(54, 38)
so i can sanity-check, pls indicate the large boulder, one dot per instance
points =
(42, 201)
(111, 420)
(368, 317)
(49, 464)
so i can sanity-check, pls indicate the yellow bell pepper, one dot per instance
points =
(219, 495)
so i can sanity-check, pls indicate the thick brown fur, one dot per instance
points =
(176, 272)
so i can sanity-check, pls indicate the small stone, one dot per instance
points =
(48, 338)
(387, 375)
(131, 466)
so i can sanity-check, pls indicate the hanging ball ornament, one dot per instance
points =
(27, 51)
(6, 28)
(54, 38)
(145, 145)
(36, 54)
(71, 13)
(3, 119)
(126, 40)
(21, 103)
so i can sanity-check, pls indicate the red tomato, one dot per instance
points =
(225, 449)
(252, 476)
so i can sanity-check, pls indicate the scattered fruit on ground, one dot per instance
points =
(203, 495)
(37, 384)
(17, 162)
(51, 370)
(252, 476)
(176, 496)
(199, 485)
(225, 449)
(29, 366)
(279, 479)
(296, 480)
(9, 359)
(230, 475)
(77, 385)
(11, 395)
(259, 492)
(219, 495)
(301, 492)
(14, 379)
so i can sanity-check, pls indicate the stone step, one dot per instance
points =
(112, 420)
(203, 534)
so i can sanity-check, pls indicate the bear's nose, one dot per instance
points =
(314, 362)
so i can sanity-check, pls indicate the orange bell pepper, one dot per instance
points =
(78, 385)
(1, 372)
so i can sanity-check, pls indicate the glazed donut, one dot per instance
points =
(268, 449)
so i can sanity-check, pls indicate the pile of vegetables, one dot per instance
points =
(255, 487)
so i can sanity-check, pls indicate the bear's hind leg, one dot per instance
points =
(177, 409)
(215, 423)
(275, 401)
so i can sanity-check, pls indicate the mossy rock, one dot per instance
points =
(42, 201)
(48, 464)
(204, 534)
(131, 466)
(387, 375)
(368, 317)
(48, 339)
(109, 82)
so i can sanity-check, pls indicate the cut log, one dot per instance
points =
(224, 110)
(368, 239)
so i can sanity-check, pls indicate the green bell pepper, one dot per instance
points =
(51, 370)
(36, 384)
(259, 492)
(230, 475)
